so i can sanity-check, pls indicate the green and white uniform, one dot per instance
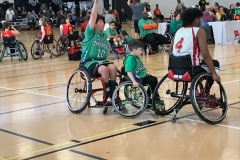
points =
(134, 64)
(95, 47)
(111, 32)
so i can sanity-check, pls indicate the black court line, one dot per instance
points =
(31, 107)
(26, 137)
(11, 94)
(37, 73)
(110, 136)
(88, 155)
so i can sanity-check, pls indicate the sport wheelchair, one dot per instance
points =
(64, 42)
(12, 47)
(208, 99)
(80, 89)
(38, 48)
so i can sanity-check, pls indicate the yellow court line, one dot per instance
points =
(90, 137)
(61, 145)
(2, 158)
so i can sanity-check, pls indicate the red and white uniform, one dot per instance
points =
(7, 33)
(66, 28)
(185, 42)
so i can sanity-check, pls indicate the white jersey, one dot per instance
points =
(185, 43)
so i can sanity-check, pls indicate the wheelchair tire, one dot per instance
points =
(38, 53)
(162, 109)
(120, 106)
(2, 51)
(61, 50)
(82, 74)
(23, 51)
(208, 102)
(52, 47)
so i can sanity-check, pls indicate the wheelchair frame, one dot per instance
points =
(184, 99)
(17, 50)
(42, 46)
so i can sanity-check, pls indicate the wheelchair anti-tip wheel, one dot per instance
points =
(208, 98)
(78, 90)
(37, 49)
(166, 88)
(129, 101)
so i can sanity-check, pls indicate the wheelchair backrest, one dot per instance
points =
(48, 39)
(9, 42)
(180, 64)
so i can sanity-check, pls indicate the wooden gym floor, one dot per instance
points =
(35, 122)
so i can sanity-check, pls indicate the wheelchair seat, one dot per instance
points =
(180, 68)
(9, 42)
(72, 36)
(48, 39)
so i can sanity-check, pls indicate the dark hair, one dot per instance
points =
(135, 44)
(110, 11)
(190, 14)
(112, 22)
(148, 8)
(63, 21)
(6, 25)
(100, 18)
(207, 3)
(238, 4)
(176, 14)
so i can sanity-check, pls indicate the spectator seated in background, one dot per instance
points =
(53, 19)
(112, 35)
(176, 23)
(116, 15)
(148, 9)
(231, 12)
(30, 21)
(147, 27)
(221, 15)
(208, 16)
(84, 24)
(179, 6)
(157, 13)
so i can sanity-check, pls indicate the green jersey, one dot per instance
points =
(134, 64)
(111, 32)
(144, 32)
(95, 47)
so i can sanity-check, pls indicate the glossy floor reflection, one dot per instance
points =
(35, 122)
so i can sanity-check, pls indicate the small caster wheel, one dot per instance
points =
(51, 56)
(173, 120)
(105, 110)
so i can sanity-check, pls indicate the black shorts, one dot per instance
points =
(93, 69)
(136, 28)
(111, 41)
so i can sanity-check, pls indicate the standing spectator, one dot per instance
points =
(77, 11)
(123, 16)
(2, 14)
(157, 13)
(202, 3)
(208, 16)
(65, 8)
(137, 8)
(15, 13)
(9, 14)
(179, 6)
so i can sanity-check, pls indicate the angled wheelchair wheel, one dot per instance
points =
(22, 51)
(62, 45)
(37, 49)
(78, 90)
(2, 51)
(129, 101)
(208, 98)
(164, 101)
(52, 48)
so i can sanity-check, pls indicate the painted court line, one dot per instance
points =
(222, 125)
(87, 155)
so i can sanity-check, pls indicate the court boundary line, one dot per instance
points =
(87, 155)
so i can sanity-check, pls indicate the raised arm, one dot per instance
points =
(147, 1)
(128, 2)
(94, 13)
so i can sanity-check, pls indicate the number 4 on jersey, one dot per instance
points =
(179, 46)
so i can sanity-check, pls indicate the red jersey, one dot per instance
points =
(83, 26)
(157, 12)
(48, 30)
(7, 33)
(115, 14)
